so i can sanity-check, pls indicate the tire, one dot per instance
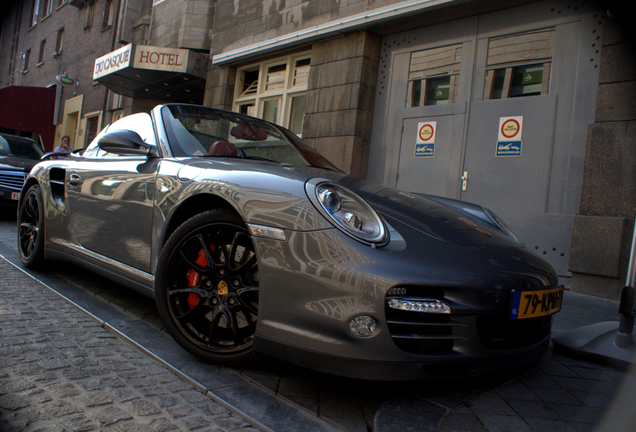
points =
(31, 228)
(206, 287)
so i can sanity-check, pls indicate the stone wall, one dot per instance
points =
(340, 99)
(244, 22)
(183, 24)
(602, 232)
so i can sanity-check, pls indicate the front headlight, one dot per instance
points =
(350, 213)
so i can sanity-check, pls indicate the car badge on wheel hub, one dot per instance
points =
(222, 288)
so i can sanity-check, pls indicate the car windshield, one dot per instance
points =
(204, 132)
(20, 148)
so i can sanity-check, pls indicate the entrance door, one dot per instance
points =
(516, 184)
(524, 64)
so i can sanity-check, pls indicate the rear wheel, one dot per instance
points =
(31, 228)
(207, 287)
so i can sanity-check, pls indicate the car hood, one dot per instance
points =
(8, 163)
(425, 215)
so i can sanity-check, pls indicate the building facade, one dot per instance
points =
(523, 106)
(43, 39)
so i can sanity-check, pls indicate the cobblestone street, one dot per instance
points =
(60, 370)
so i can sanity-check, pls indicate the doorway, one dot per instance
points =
(489, 110)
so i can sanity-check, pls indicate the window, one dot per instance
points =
(34, 12)
(434, 76)
(42, 49)
(59, 42)
(109, 14)
(275, 91)
(90, 11)
(115, 101)
(92, 123)
(48, 7)
(61, 3)
(519, 65)
(27, 58)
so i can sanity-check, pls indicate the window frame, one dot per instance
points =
(35, 11)
(285, 94)
(42, 52)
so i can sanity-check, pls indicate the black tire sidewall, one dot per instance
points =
(197, 222)
(36, 259)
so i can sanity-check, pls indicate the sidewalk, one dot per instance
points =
(60, 370)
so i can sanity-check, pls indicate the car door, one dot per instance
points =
(111, 198)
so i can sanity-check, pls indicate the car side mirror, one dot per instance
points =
(126, 142)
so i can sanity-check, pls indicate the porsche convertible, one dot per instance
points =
(252, 243)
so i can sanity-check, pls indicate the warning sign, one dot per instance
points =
(426, 132)
(510, 128)
(509, 141)
(425, 143)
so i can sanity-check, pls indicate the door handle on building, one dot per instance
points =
(464, 180)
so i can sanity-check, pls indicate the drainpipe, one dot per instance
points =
(631, 271)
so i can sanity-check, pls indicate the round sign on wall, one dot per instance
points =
(510, 128)
(426, 132)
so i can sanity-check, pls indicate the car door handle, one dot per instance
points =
(74, 180)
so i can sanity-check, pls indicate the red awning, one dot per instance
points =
(29, 109)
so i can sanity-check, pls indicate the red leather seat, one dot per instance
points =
(223, 148)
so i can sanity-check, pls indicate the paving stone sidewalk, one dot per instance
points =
(60, 370)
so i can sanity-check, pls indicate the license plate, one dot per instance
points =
(532, 304)
(15, 196)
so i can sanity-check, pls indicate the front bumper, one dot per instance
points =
(314, 283)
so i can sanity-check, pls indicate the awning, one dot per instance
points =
(29, 109)
(166, 74)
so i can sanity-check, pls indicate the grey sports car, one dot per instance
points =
(253, 243)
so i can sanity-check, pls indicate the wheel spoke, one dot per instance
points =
(248, 298)
(216, 331)
(241, 240)
(193, 263)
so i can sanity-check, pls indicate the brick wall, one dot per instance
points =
(81, 46)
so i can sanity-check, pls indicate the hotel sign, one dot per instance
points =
(159, 58)
(112, 62)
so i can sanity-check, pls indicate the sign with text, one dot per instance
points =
(425, 142)
(112, 62)
(509, 143)
(159, 58)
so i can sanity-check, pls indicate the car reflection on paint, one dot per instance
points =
(253, 243)
(17, 157)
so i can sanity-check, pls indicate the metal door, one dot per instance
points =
(536, 191)
(517, 187)
(425, 168)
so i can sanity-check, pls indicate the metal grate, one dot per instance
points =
(418, 332)
(12, 180)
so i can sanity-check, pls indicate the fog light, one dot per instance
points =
(362, 326)
(430, 306)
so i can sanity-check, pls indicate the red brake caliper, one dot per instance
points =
(193, 277)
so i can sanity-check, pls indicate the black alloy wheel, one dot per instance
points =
(31, 228)
(207, 287)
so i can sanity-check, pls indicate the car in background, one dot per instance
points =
(251, 242)
(17, 157)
